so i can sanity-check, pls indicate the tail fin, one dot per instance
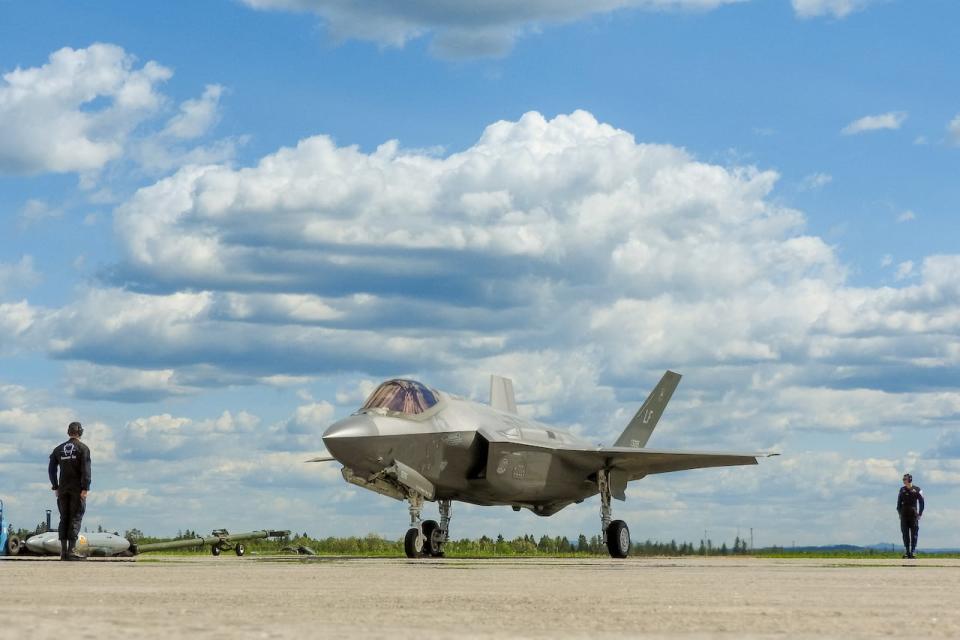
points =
(638, 431)
(501, 394)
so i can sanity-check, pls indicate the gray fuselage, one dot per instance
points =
(470, 452)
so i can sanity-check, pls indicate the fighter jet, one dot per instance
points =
(412, 442)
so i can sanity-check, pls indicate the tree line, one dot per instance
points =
(525, 545)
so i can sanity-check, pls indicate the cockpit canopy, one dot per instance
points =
(408, 397)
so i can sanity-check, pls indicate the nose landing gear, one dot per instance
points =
(426, 539)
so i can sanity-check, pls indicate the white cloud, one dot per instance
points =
(872, 437)
(891, 120)
(458, 29)
(196, 117)
(90, 107)
(904, 270)
(20, 275)
(35, 211)
(816, 181)
(30, 428)
(906, 216)
(953, 128)
(164, 436)
(834, 8)
(17, 319)
(84, 380)
(544, 240)
(52, 119)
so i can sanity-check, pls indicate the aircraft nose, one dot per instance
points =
(352, 427)
(346, 441)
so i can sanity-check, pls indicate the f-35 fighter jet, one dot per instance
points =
(414, 443)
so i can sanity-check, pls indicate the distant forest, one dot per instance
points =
(527, 545)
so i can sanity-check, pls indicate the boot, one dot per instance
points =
(63, 549)
(72, 554)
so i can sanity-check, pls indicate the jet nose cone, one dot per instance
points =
(347, 441)
(352, 427)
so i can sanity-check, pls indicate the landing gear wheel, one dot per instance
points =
(240, 549)
(215, 549)
(432, 539)
(618, 539)
(413, 543)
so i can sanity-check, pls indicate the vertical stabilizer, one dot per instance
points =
(501, 394)
(638, 431)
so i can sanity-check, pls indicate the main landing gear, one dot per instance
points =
(425, 539)
(616, 534)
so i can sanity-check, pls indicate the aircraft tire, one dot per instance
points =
(432, 539)
(13, 546)
(618, 539)
(239, 549)
(215, 549)
(413, 543)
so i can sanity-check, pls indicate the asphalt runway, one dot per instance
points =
(229, 597)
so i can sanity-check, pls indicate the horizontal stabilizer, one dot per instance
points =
(638, 463)
(638, 431)
(501, 394)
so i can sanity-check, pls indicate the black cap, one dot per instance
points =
(75, 429)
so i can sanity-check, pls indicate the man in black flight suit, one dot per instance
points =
(910, 508)
(73, 459)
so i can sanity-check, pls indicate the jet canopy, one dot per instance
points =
(408, 397)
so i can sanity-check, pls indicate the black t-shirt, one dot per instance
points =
(73, 459)
(910, 502)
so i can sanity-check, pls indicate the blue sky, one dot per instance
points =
(223, 223)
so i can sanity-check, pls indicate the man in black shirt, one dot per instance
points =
(910, 508)
(73, 459)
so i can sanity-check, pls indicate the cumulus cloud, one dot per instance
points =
(457, 29)
(891, 120)
(164, 436)
(89, 107)
(554, 242)
(76, 112)
(833, 8)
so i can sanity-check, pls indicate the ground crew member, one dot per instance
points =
(910, 508)
(73, 459)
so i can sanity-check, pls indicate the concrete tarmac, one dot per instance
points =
(228, 597)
